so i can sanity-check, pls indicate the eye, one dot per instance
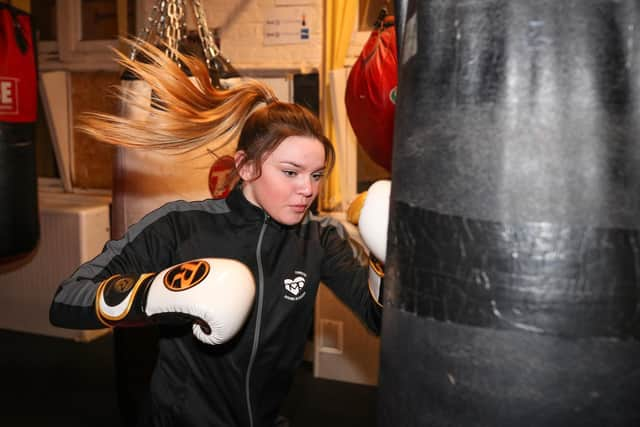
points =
(317, 176)
(289, 173)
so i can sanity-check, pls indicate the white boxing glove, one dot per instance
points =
(373, 222)
(374, 218)
(216, 293)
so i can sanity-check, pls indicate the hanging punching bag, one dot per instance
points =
(19, 222)
(513, 268)
(145, 179)
(370, 93)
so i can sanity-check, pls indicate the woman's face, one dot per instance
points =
(290, 179)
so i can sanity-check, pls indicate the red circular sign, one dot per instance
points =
(218, 174)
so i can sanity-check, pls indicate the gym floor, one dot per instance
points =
(51, 382)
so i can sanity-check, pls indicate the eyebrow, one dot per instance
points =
(296, 165)
(287, 162)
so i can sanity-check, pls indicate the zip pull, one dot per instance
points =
(266, 217)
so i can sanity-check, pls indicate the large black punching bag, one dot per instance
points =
(513, 267)
(19, 221)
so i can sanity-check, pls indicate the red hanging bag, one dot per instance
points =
(371, 92)
(18, 102)
(19, 220)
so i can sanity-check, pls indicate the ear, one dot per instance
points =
(246, 170)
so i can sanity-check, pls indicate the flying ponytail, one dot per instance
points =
(183, 115)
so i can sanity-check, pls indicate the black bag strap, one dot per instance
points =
(18, 30)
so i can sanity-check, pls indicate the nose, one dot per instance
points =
(306, 186)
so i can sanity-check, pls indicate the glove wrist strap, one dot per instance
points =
(120, 300)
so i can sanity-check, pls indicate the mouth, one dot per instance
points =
(299, 208)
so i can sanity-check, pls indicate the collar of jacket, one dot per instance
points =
(239, 204)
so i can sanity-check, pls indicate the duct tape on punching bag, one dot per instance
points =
(147, 179)
(512, 276)
(19, 222)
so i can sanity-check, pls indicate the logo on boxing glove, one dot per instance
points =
(186, 275)
(118, 291)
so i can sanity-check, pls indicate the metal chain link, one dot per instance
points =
(174, 34)
(145, 33)
(167, 24)
(208, 45)
(161, 23)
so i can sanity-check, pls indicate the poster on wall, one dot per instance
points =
(287, 25)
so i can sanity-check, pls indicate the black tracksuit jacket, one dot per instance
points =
(244, 381)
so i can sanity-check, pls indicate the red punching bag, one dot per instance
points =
(370, 94)
(19, 223)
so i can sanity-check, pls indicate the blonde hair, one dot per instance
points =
(182, 115)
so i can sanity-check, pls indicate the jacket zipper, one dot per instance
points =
(256, 333)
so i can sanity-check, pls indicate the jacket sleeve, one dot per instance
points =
(145, 248)
(345, 270)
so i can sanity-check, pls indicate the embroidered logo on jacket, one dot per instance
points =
(294, 287)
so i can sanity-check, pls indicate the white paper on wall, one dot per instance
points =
(287, 25)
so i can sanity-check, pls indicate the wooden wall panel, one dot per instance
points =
(92, 163)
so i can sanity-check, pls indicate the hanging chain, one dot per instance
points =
(160, 23)
(174, 32)
(145, 33)
(208, 45)
(167, 24)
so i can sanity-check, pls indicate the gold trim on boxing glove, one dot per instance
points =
(122, 284)
(186, 275)
(377, 268)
